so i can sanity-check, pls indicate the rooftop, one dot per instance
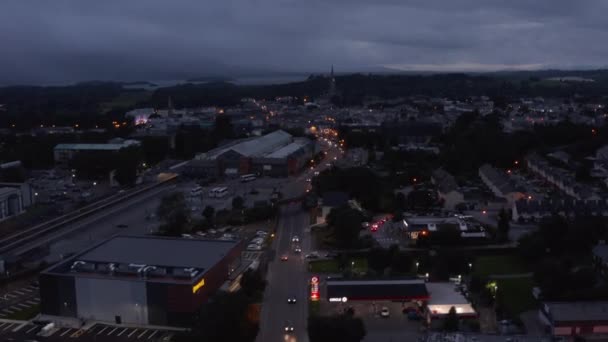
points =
(577, 311)
(166, 254)
(97, 147)
(8, 191)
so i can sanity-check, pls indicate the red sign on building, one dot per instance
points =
(314, 288)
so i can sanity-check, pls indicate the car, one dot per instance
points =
(122, 225)
(384, 312)
(284, 257)
(316, 173)
(331, 255)
(187, 236)
(295, 238)
(308, 180)
(257, 241)
(254, 247)
(374, 227)
(311, 256)
(261, 233)
(288, 327)
(291, 300)
(199, 233)
(212, 231)
(297, 249)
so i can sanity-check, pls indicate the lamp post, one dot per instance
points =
(417, 264)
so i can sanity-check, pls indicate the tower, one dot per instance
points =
(332, 83)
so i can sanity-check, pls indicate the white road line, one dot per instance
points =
(65, 332)
(120, 333)
(110, 333)
(132, 332)
(8, 326)
(152, 334)
(27, 289)
(102, 330)
(19, 292)
(9, 310)
(32, 329)
(10, 295)
(23, 305)
(31, 302)
(1, 325)
(142, 334)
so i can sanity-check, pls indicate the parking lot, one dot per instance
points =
(12, 331)
(17, 300)
(369, 312)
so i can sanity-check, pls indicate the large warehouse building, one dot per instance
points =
(138, 280)
(277, 154)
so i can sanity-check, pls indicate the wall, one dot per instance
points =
(103, 299)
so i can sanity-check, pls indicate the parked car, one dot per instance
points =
(291, 300)
(254, 247)
(284, 257)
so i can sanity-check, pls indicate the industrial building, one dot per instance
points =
(63, 153)
(566, 319)
(277, 154)
(138, 280)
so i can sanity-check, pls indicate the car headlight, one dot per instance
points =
(286, 329)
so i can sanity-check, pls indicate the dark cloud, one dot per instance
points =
(61, 40)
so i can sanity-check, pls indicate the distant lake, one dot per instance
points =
(261, 80)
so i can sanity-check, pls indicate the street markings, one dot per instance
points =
(122, 331)
(110, 333)
(32, 329)
(65, 332)
(132, 332)
(102, 330)
(152, 334)
(142, 334)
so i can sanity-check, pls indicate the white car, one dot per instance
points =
(384, 312)
(295, 238)
(254, 247)
(258, 241)
(261, 233)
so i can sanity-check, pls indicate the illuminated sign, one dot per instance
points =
(338, 299)
(314, 288)
(198, 285)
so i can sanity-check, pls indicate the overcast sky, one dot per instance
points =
(58, 41)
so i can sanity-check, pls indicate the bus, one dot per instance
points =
(218, 192)
(196, 191)
(248, 178)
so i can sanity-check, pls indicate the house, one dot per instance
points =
(525, 210)
(584, 319)
(500, 184)
(560, 178)
(447, 189)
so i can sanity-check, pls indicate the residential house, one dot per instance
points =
(447, 189)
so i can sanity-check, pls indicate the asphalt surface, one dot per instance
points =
(287, 279)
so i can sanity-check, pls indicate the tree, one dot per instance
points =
(451, 320)
(253, 283)
(346, 225)
(344, 328)
(503, 225)
(224, 319)
(378, 259)
(173, 211)
(209, 213)
(238, 203)
(401, 263)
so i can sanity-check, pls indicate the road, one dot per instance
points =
(286, 279)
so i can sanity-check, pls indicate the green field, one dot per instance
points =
(332, 265)
(516, 295)
(498, 265)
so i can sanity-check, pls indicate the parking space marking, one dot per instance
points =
(65, 332)
(10, 295)
(102, 330)
(132, 332)
(19, 292)
(110, 333)
(152, 334)
(1, 325)
(27, 289)
(142, 334)
(31, 302)
(9, 310)
(21, 326)
(120, 333)
(7, 327)
(32, 329)
(77, 333)
(23, 305)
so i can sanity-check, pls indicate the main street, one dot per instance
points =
(287, 279)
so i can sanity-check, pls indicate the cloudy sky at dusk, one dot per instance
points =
(59, 41)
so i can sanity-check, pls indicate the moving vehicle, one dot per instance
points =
(288, 327)
(297, 249)
(295, 238)
(218, 192)
(384, 312)
(261, 233)
(291, 300)
(284, 257)
(248, 178)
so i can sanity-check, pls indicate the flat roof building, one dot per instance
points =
(575, 318)
(138, 280)
(389, 289)
(63, 153)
